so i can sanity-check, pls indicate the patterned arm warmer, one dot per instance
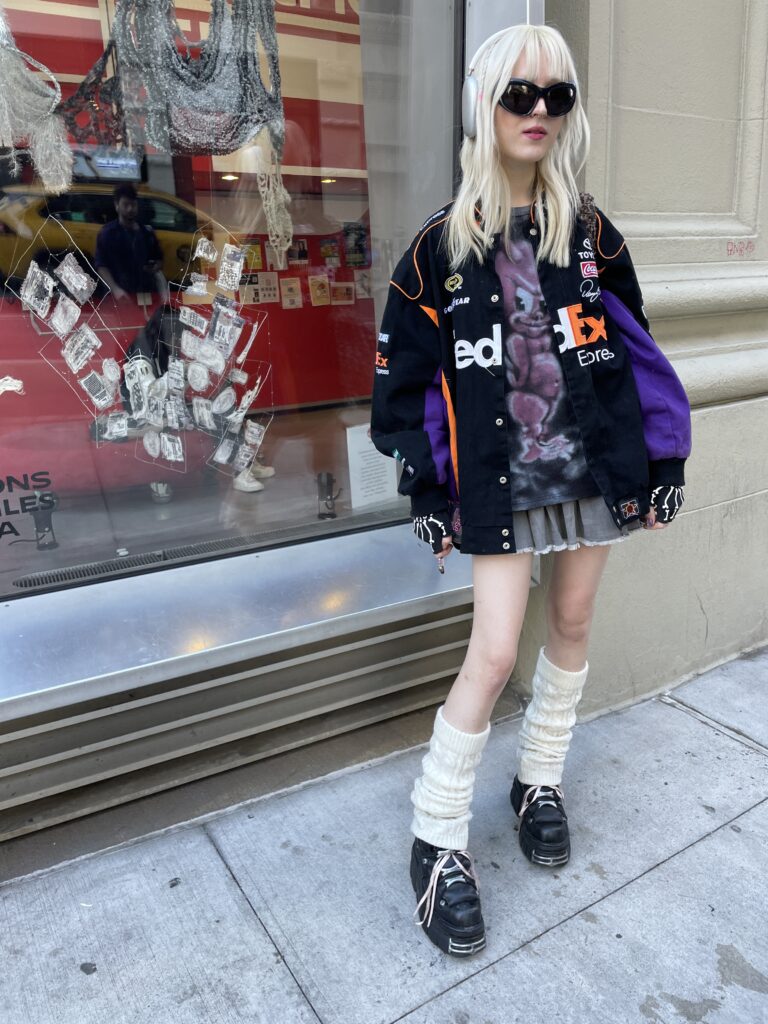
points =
(432, 529)
(667, 501)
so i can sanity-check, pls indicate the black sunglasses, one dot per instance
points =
(520, 97)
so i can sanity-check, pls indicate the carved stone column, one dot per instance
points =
(677, 98)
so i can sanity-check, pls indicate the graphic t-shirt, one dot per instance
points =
(546, 454)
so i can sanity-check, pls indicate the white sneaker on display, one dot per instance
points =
(161, 492)
(245, 482)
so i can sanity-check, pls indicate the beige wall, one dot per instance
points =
(677, 98)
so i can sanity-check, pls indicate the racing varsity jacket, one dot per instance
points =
(438, 402)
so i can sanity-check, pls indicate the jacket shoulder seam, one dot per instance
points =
(597, 240)
(419, 239)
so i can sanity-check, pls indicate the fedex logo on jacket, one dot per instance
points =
(485, 352)
(577, 329)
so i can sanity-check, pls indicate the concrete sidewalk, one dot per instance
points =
(298, 907)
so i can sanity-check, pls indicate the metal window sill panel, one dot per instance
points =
(68, 646)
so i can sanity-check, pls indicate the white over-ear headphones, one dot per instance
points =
(470, 92)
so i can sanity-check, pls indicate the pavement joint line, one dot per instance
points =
(727, 730)
(589, 906)
(255, 913)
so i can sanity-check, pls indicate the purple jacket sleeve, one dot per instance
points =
(408, 413)
(436, 426)
(663, 401)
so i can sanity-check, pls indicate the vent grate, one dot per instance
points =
(89, 571)
(100, 570)
(205, 547)
(97, 570)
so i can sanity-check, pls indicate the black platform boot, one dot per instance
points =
(447, 890)
(543, 834)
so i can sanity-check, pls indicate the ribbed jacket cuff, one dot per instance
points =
(666, 471)
(429, 500)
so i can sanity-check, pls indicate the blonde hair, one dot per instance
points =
(483, 179)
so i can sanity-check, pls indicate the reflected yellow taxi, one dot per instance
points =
(34, 225)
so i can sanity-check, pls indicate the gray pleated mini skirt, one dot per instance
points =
(568, 524)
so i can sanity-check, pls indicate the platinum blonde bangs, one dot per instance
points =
(483, 180)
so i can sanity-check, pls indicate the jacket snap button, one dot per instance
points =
(494, 298)
(505, 533)
(533, 231)
(505, 545)
(502, 479)
(499, 422)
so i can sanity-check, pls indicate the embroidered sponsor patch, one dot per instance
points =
(577, 329)
(590, 290)
(587, 252)
(459, 300)
(381, 364)
(430, 219)
(630, 507)
(383, 339)
(587, 357)
(454, 282)
(484, 353)
(588, 268)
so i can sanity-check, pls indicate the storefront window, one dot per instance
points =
(195, 246)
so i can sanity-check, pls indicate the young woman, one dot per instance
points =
(532, 412)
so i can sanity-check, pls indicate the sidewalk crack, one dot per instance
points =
(731, 731)
(576, 913)
(267, 932)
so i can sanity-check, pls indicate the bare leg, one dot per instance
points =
(558, 681)
(562, 667)
(442, 795)
(570, 604)
(501, 587)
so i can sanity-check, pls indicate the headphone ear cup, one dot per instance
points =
(469, 93)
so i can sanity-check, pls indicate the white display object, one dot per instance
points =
(372, 476)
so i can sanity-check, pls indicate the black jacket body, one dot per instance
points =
(439, 393)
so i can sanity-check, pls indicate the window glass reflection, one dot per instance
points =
(190, 274)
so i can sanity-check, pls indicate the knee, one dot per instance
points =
(491, 669)
(571, 619)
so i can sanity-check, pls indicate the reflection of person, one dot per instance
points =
(249, 479)
(504, 364)
(128, 254)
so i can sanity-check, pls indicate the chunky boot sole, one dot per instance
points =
(456, 942)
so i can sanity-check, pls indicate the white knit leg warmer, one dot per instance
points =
(549, 719)
(442, 796)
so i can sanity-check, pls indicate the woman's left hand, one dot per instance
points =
(649, 521)
(668, 499)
